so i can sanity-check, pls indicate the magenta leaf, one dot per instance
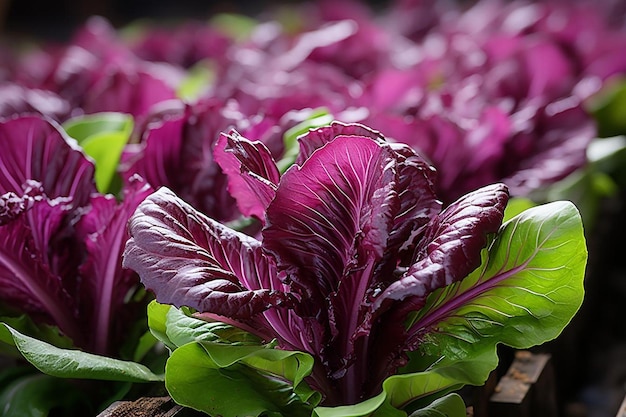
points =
(332, 216)
(36, 149)
(30, 279)
(106, 285)
(189, 259)
(319, 137)
(177, 152)
(61, 240)
(251, 170)
(354, 240)
(449, 251)
(450, 248)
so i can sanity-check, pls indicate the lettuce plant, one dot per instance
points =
(66, 304)
(55, 228)
(374, 297)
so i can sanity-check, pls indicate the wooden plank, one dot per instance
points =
(527, 389)
(148, 407)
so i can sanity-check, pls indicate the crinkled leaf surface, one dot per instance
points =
(327, 229)
(66, 363)
(338, 197)
(38, 252)
(528, 289)
(447, 252)
(27, 277)
(451, 247)
(251, 170)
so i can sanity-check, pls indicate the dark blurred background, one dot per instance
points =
(57, 19)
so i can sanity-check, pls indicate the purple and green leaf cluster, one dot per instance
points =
(353, 244)
(353, 240)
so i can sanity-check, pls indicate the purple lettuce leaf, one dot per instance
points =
(317, 138)
(18, 99)
(418, 201)
(327, 229)
(192, 260)
(133, 91)
(29, 275)
(36, 149)
(252, 172)
(451, 245)
(156, 158)
(61, 240)
(106, 286)
(332, 216)
(416, 179)
(177, 152)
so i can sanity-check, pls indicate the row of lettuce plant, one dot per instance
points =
(328, 272)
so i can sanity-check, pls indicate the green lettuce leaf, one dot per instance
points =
(68, 363)
(231, 380)
(103, 137)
